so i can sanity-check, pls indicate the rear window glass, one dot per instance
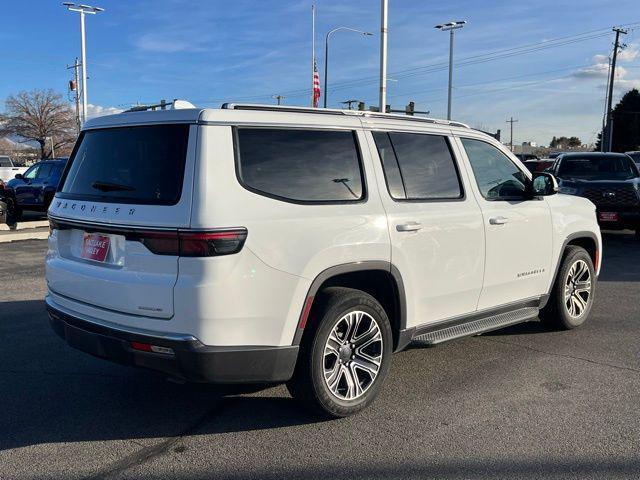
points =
(5, 162)
(300, 165)
(129, 165)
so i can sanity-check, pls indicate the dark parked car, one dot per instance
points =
(539, 165)
(35, 189)
(610, 180)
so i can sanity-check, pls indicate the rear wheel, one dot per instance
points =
(345, 357)
(572, 295)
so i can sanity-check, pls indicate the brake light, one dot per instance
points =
(146, 347)
(195, 244)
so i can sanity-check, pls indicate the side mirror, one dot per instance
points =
(19, 176)
(544, 184)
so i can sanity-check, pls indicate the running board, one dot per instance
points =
(474, 327)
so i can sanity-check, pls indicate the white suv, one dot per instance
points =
(271, 244)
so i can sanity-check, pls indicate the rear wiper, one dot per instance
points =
(111, 187)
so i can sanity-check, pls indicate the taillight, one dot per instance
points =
(195, 244)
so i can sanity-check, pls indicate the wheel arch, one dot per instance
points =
(380, 279)
(585, 239)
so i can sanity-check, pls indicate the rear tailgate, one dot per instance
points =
(122, 183)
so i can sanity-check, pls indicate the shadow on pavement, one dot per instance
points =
(51, 393)
(621, 257)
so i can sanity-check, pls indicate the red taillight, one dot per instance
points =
(146, 347)
(195, 244)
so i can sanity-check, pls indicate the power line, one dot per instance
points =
(465, 61)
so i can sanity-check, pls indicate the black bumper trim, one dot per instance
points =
(192, 361)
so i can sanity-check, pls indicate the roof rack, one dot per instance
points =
(176, 104)
(333, 111)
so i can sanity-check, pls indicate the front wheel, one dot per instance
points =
(572, 295)
(345, 356)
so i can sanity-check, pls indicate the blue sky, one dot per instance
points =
(214, 51)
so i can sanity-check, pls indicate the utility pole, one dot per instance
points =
(511, 121)
(279, 98)
(609, 129)
(76, 89)
(82, 10)
(384, 20)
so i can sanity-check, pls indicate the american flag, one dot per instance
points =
(316, 85)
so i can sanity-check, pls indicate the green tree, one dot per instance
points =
(626, 123)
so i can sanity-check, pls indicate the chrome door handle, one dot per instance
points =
(409, 227)
(498, 220)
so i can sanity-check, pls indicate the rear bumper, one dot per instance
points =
(191, 360)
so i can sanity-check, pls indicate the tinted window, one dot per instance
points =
(129, 165)
(392, 173)
(5, 162)
(496, 175)
(600, 167)
(44, 171)
(426, 166)
(300, 165)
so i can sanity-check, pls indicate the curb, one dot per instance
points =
(25, 226)
(27, 234)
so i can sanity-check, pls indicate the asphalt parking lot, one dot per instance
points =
(518, 403)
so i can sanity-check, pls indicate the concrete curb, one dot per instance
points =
(25, 225)
(27, 234)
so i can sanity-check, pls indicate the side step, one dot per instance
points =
(473, 327)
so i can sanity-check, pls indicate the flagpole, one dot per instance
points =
(313, 51)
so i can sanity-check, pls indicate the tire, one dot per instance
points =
(334, 315)
(569, 309)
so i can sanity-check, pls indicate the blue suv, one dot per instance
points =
(35, 189)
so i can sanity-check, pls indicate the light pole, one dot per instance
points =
(82, 10)
(384, 20)
(326, 55)
(451, 27)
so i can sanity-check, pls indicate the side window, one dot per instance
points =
(300, 165)
(31, 173)
(392, 174)
(418, 166)
(44, 171)
(498, 177)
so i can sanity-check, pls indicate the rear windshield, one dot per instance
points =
(5, 162)
(597, 168)
(129, 165)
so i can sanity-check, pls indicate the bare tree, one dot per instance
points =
(41, 116)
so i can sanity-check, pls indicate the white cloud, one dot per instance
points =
(599, 69)
(99, 111)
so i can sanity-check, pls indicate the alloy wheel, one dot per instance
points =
(577, 289)
(352, 355)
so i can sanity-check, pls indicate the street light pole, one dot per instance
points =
(82, 10)
(451, 26)
(384, 20)
(326, 55)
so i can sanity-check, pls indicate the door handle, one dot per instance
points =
(498, 220)
(409, 227)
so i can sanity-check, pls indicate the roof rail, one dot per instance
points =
(333, 111)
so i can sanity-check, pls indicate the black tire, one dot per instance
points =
(308, 383)
(556, 314)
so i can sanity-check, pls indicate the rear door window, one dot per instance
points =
(300, 165)
(418, 166)
(143, 164)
